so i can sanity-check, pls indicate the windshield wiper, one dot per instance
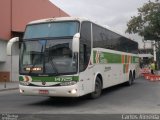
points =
(41, 53)
(51, 60)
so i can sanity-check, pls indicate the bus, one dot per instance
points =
(73, 57)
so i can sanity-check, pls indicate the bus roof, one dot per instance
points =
(58, 19)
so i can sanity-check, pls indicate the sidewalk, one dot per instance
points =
(9, 86)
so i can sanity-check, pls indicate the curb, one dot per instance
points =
(8, 89)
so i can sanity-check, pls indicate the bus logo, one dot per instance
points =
(43, 83)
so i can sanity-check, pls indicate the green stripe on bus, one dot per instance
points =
(106, 57)
(21, 78)
(135, 59)
(52, 79)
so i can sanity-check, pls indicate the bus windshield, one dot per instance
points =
(51, 30)
(47, 57)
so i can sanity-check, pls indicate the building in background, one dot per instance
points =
(147, 52)
(14, 15)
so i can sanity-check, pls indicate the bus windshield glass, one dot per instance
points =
(47, 57)
(52, 30)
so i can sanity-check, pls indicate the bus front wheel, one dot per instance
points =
(98, 89)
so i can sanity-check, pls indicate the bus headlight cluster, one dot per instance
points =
(73, 91)
(23, 83)
(68, 83)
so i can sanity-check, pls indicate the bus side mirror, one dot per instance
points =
(75, 42)
(9, 45)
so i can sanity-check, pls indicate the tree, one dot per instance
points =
(147, 22)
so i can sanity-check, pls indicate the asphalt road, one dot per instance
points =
(142, 97)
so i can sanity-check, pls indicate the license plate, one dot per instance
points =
(43, 92)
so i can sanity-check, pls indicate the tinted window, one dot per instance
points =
(86, 32)
(104, 38)
(85, 45)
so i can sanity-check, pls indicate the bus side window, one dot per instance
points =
(83, 57)
(85, 45)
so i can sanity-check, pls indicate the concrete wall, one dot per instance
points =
(10, 63)
(4, 62)
(3, 50)
(5, 66)
(15, 62)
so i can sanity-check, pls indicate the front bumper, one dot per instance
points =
(58, 91)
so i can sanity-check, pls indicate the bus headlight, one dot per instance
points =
(73, 91)
(23, 83)
(68, 83)
(21, 91)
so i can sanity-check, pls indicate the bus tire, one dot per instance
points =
(134, 75)
(98, 89)
(130, 81)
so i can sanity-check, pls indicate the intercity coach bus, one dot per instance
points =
(72, 57)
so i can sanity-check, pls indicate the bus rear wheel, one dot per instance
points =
(98, 89)
(130, 81)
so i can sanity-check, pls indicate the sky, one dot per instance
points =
(112, 13)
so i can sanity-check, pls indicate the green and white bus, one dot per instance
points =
(72, 57)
